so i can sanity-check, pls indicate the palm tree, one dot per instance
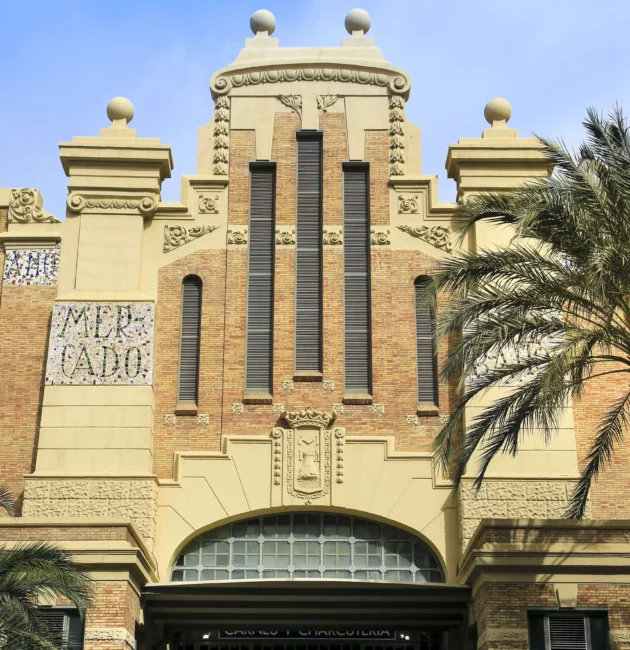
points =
(548, 313)
(27, 573)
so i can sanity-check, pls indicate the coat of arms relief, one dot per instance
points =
(308, 454)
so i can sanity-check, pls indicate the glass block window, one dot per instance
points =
(307, 546)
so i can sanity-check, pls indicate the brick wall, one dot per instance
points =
(111, 620)
(24, 330)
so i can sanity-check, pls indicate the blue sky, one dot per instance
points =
(61, 61)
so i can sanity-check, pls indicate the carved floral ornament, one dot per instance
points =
(396, 136)
(333, 237)
(438, 236)
(208, 204)
(294, 102)
(237, 236)
(146, 205)
(175, 236)
(395, 80)
(221, 134)
(285, 237)
(408, 204)
(379, 237)
(324, 102)
(23, 207)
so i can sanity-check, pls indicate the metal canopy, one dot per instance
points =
(306, 604)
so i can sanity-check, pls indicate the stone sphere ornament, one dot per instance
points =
(358, 20)
(120, 108)
(262, 21)
(497, 110)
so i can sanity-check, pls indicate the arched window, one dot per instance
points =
(314, 545)
(426, 353)
(189, 341)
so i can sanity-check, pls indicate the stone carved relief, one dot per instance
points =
(379, 409)
(238, 408)
(237, 236)
(443, 419)
(28, 267)
(308, 463)
(170, 420)
(328, 385)
(294, 102)
(337, 409)
(277, 409)
(408, 204)
(287, 385)
(308, 417)
(175, 236)
(23, 207)
(411, 420)
(208, 204)
(221, 144)
(379, 237)
(339, 448)
(396, 82)
(324, 102)
(438, 236)
(276, 436)
(285, 236)
(333, 237)
(203, 419)
(146, 205)
(396, 136)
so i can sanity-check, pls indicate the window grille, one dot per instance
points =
(426, 353)
(65, 624)
(262, 217)
(309, 280)
(356, 255)
(190, 338)
(568, 630)
(314, 546)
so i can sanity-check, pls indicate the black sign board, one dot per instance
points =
(308, 634)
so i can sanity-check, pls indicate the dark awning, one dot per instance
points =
(312, 604)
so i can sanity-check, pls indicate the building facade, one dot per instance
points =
(225, 407)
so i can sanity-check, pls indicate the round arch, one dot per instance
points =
(306, 545)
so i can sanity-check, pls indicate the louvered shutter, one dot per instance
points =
(259, 357)
(190, 336)
(567, 632)
(55, 621)
(425, 345)
(356, 249)
(308, 297)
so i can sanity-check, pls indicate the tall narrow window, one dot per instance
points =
(189, 343)
(262, 217)
(308, 291)
(426, 354)
(356, 256)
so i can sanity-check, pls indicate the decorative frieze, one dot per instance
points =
(23, 207)
(208, 204)
(221, 134)
(379, 237)
(396, 136)
(145, 205)
(237, 236)
(31, 266)
(408, 204)
(175, 236)
(101, 344)
(285, 237)
(333, 237)
(324, 102)
(294, 102)
(438, 236)
(340, 435)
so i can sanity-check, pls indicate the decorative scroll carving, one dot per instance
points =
(339, 444)
(221, 135)
(308, 463)
(146, 205)
(408, 204)
(438, 236)
(285, 236)
(175, 236)
(170, 420)
(237, 236)
(238, 408)
(329, 386)
(294, 102)
(324, 102)
(276, 436)
(379, 409)
(208, 204)
(411, 420)
(333, 237)
(337, 409)
(396, 136)
(277, 409)
(396, 82)
(379, 237)
(443, 419)
(23, 208)
(308, 417)
(287, 385)
(203, 419)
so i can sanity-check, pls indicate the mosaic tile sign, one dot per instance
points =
(101, 343)
(31, 266)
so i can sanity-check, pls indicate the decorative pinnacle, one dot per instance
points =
(358, 20)
(120, 109)
(497, 112)
(262, 22)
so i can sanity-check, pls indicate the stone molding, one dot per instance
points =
(438, 236)
(110, 634)
(24, 208)
(396, 81)
(493, 634)
(221, 137)
(175, 236)
(145, 205)
(396, 136)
